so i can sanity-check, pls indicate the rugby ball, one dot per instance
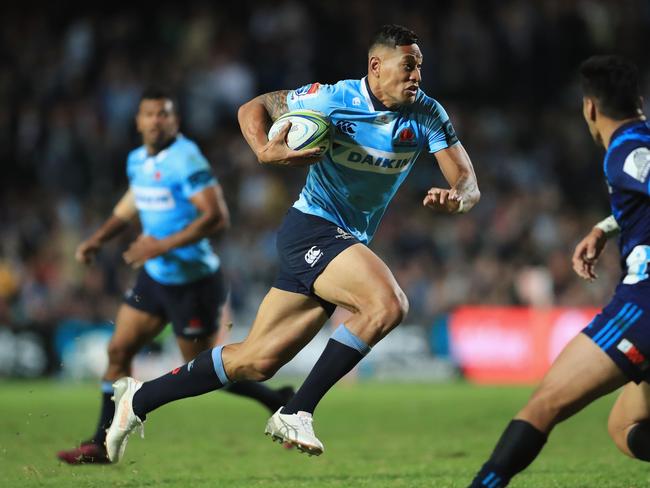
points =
(309, 129)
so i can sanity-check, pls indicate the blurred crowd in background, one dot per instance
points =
(505, 70)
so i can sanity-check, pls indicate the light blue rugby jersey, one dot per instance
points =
(162, 185)
(373, 150)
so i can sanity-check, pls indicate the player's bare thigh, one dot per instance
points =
(632, 406)
(581, 373)
(358, 280)
(133, 329)
(284, 324)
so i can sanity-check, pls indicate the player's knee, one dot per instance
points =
(403, 306)
(385, 312)
(394, 308)
(618, 434)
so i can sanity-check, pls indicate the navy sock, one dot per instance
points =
(105, 414)
(518, 446)
(342, 353)
(203, 374)
(638, 441)
(271, 399)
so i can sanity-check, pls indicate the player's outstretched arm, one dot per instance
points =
(457, 169)
(123, 213)
(256, 116)
(589, 249)
(213, 217)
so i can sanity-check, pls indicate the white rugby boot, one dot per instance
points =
(124, 420)
(295, 429)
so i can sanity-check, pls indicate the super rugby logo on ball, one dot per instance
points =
(309, 129)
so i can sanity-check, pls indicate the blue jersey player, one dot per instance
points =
(382, 123)
(614, 349)
(179, 203)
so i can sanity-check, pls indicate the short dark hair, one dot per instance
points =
(393, 35)
(158, 93)
(614, 82)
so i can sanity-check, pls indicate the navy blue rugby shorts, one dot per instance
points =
(193, 308)
(622, 330)
(306, 245)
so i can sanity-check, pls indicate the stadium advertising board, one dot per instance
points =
(512, 344)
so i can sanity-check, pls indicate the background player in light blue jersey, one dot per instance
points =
(180, 204)
(383, 122)
(614, 349)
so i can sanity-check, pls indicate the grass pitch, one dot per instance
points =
(375, 435)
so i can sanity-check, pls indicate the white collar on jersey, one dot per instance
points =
(364, 92)
(374, 104)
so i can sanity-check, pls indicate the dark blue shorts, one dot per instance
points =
(622, 330)
(193, 309)
(306, 245)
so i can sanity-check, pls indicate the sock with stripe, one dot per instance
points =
(343, 352)
(106, 413)
(270, 398)
(518, 446)
(203, 374)
(638, 440)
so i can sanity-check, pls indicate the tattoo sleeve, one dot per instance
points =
(276, 103)
(467, 188)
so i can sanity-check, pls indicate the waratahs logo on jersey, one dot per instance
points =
(306, 91)
(406, 137)
(369, 159)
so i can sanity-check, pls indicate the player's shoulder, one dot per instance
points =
(136, 155)
(427, 111)
(185, 150)
(632, 138)
(185, 145)
(337, 92)
(427, 106)
(629, 152)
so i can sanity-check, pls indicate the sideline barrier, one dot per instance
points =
(27, 351)
(512, 344)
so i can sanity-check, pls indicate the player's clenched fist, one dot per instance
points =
(587, 252)
(86, 251)
(143, 248)
(443, 200)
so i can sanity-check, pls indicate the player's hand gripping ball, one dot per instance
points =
(309, 129)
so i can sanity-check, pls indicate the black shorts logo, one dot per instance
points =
(341, 234)
(313, 255)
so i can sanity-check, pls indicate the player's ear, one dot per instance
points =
(374, 66)
(589, 108)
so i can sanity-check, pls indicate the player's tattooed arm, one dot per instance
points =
(457, 168)
(276, 103)
(467, 188)
(255, 118)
